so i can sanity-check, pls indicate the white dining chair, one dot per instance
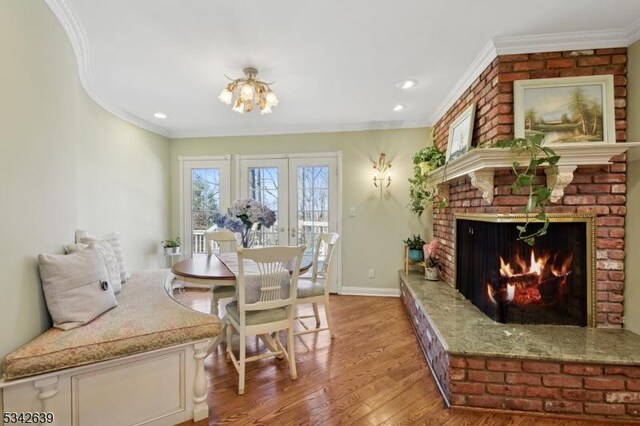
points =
(220, 241)
(315, 289)
(266, 295)
(224, 240)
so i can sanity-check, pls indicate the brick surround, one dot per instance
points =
(588, 390)
(599, 190)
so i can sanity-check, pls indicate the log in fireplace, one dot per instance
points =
(551, 282)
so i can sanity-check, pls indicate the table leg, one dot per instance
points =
(268, 341)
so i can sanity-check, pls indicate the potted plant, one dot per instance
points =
(415, 244)
(432, 263)
(171, 246)
(421, 191)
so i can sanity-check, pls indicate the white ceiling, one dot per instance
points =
(335, 63)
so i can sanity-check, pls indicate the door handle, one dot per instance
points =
(292, 232)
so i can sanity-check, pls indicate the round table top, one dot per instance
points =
(210, 267)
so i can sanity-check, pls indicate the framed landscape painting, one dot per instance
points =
(571, 109)
(460, 133)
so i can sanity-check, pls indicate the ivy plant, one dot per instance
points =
(421, 191)
(539, 195)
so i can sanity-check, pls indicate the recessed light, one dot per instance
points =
(406, 84)
(160, 115)
(398, 108)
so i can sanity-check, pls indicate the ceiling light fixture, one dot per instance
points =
(406, 84)
(248, 90)
(398, 108)
(160, 115)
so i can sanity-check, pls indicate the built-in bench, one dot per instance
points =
(141, 362)
(556, 370)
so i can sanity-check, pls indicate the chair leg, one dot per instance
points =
(315, 312)
(292, 353)
(229, 346)
(242, 363)
(327, 313)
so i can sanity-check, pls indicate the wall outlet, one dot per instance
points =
(372, 273)
(352, 212)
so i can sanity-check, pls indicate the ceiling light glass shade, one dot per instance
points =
(226, 96)
(246, 93)
(238, 106)
(271, 98)
(243, 93)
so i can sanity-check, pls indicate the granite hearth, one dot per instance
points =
(477, 362)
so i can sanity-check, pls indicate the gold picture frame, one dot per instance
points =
(566, 109)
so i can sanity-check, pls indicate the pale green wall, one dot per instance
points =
(372, 239)
(65, 163)
(632, 282)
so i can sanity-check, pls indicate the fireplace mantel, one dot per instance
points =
(480, 165)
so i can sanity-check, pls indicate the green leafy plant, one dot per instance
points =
(539, 195)
(414, 242)
(171, 243)
(421, 191)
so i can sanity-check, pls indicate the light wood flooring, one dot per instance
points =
(373, 373)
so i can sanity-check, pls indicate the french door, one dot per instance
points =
(302, 189)
(206, 189)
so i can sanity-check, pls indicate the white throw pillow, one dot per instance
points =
(75, 287)
(110, 260)
(112, 238)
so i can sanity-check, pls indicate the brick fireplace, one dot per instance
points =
(529, 364)
(599, 190)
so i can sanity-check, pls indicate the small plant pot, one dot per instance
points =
(171, 250)
(416, 255)
(431, 274)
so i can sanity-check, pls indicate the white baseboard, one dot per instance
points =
(370, 291)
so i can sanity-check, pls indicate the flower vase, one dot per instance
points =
(246, 238)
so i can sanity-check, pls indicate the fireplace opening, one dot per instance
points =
(512, 282)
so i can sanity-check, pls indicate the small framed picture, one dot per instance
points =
(460, 133)
(569, 109)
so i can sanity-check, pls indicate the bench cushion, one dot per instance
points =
(145, 319)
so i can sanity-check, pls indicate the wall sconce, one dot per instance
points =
(381, 179)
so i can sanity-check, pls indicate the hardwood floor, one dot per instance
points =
(373, 373)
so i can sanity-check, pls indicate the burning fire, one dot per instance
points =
(521, 283)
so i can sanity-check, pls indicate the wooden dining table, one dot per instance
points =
(210, 271)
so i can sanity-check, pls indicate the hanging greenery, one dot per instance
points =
(421, 191)
(539, 195)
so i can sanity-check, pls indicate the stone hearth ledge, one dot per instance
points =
(464, 330)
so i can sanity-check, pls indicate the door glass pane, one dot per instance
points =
(263, 187)
(205, 196)
(312, 215)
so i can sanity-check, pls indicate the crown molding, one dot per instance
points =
(263, 131)
(555, 42)
(479, 64)
(633, 33)
(67, 17)
(580, 40)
